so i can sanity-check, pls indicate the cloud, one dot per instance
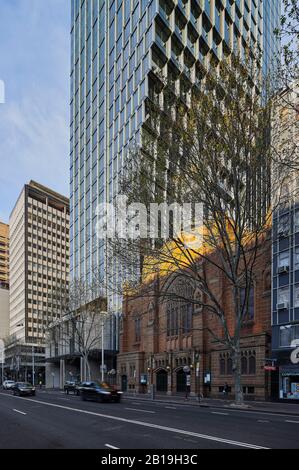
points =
(34, 121)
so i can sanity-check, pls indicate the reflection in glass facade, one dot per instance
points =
(271, 43)
(120, 48)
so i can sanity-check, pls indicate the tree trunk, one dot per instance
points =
(87, 372)
(88, 369)
(236, 358)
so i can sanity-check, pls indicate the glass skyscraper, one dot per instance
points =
(271, 42)
(120, 49)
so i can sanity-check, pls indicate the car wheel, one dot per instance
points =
(83, 398)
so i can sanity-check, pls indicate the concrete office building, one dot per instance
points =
(285, 256)
(39, 266)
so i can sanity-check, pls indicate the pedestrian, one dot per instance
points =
(225, 389)
(188, 386)
(40, 384)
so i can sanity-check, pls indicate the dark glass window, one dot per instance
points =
(244, 365)
(252, 365)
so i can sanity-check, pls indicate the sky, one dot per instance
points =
(34, 120)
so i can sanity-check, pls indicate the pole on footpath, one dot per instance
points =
(33, 367)
(103, 351)
(153, 392)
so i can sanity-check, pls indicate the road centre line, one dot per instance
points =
(21, 412)
(143, 411)
(111, 447)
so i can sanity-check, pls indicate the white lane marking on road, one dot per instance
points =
(219, 413)
(111, 447)
(170, 408)
(290, 421)
(146, 425)
(21, 412)
(254, 412)
(262, 421)
(142, 411)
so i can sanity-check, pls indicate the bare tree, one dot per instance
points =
(82, 311)
(285, 71)
(210, 147)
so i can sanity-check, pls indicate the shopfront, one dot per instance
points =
(289, 382)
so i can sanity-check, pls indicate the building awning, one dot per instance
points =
(287, 371)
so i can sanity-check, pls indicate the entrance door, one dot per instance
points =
(124, 383)
(161, 381)
(181, 381)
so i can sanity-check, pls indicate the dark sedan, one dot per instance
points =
(72, 386)
(23, 389)
(99, 392)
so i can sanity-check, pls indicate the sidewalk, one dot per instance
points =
(250, 406)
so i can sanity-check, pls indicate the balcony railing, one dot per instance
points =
(227, 35)
(182, 7)
(187, 72)
(160, 44)
(215, 50)
(191, 46)
(193, 21)
(176, 61)
(164, 17)
(217, 21)
(178, 32)
(206, 6)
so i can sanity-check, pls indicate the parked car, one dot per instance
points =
(8, 384)
(23, 389)
(71, 386)
(99, 392)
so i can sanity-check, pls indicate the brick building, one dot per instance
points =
(168, 342)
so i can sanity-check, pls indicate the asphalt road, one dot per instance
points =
(52, 420)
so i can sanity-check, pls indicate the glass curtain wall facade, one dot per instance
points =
(120, 49)
(271, 43)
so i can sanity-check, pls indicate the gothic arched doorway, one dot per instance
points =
(161, 380)
(180, 381)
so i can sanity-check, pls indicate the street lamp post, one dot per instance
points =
(103, 351)
(33, 367)
(2, 360)
(103, 314)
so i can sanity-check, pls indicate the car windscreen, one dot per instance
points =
(23, 384)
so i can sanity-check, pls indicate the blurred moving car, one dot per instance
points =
(72, 386)
(8, 384)
(99, 392)
(23, 389)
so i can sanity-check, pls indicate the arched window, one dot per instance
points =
(151, 311)
(252, 365)
(229, 366)
(244, 365)
(222, 366)
(180, 308)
